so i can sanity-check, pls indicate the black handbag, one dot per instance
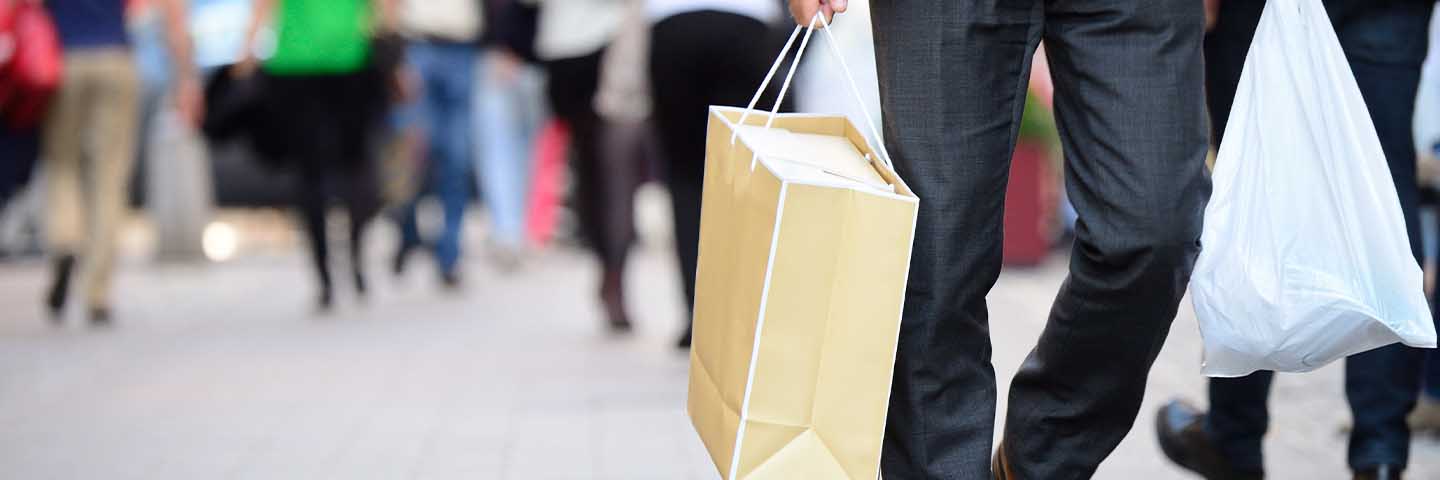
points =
(239, 109)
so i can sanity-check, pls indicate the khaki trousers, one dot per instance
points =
(89, 150)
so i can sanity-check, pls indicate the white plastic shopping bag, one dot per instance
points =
(1305, 255)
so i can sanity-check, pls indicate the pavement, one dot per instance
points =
(224, 370)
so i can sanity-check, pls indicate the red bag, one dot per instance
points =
(546, 182)
(30, 62)
(1029, 207)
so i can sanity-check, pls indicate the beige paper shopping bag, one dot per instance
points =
(805, 242)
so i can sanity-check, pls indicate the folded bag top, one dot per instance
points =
(805, 242)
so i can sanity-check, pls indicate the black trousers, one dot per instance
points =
(1129, 102)
(699, 59)
(19, 152)
(1384, 41)
(602, 191)
(324, 123)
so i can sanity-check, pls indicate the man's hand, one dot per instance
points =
(188, 96)
(247, 66)
(804, 10)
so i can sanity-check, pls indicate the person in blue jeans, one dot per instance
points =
(445, 37)
(510, 107)
(1426, 416)
(1385, 42)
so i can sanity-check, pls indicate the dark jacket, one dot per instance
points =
(512, 24)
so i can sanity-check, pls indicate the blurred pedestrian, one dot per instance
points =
(1385, 42)
(627, 143)
(326, 86)
(148, 47)
(953, 88)
(443, 36)
(510, 108)
(703, 52)
(1426, 417)
(571, 40)
(89, 140)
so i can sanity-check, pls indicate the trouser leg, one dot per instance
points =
(69, 117)
(1238, 418)
(111, 143)
(700, 59)
(1129, 104)
(311, 200)
(505, 140)
(1383, 384)
(952, 88)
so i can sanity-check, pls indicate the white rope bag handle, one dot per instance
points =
(789, 76)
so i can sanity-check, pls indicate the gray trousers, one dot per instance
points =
(1129, 102)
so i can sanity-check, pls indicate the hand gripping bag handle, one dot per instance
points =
(789, 76)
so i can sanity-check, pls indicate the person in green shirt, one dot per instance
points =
(320, 36)
(326, 97)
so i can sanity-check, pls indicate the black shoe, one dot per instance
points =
(1181, 429)
(620, 324)
(326, 301)
(684, 342)
(60, 289)
(1383, 472)
(450, 281)
(361, 287)
(617, 321)
(612, 297)
(398, 262)
(100, 317)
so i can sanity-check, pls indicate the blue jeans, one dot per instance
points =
(447, 77)
(1432, 376)
(1432, 358)
(1382, 384)
(509, 111)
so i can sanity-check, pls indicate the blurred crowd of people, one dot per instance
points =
(377, 105)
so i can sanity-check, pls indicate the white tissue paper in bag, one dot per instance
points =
(1305, 255)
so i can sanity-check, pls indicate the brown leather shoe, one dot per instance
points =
(60, 289)
(1383, 472)
(1000, 464)
(1181, 429)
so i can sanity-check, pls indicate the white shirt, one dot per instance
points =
(762, 10)
(455, 20)
(575, 28)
